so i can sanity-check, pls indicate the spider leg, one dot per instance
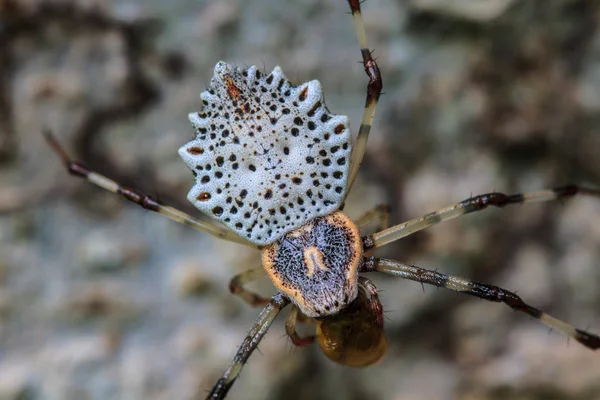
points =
(290, 328)
(373, 92)
(483, 291)
(237, 283)
(477, 203)
(370, 290)
(79, 169)
(250, 343)
(380, 213)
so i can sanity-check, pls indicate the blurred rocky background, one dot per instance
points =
(101, 300)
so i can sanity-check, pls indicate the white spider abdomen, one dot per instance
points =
(268, 156)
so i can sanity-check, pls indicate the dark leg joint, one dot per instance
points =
(150, 204)
(78, 169)
(534, 312)
(74, 167)
(375, 82)
(234, 285)
(500, 199)
(368, 265)
(375, 85)
(587, 339)
(279, 301)
(220, 389)
(354, 6)
(368, 243)
(572, 190)
(482, 201)
(564, 191)
(492, 199)
(515, 302)
(376, 306)
(139, 198)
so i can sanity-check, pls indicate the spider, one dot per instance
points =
(273, 168)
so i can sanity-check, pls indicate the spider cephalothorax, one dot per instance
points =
(316, 265)
(274, 166)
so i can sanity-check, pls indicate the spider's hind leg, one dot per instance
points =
(238, 282)
(483, 291)
(373, 92)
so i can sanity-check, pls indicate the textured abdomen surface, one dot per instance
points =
(268, 156)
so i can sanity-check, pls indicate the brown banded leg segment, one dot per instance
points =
(250, 343)
(290, 329)
(483, 291)
(79, 169)
(477, 203)
(370, 291)
(373, 92)
(238, 282)
(380, 213)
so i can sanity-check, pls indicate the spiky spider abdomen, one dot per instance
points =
(268, 156)
(316, 265)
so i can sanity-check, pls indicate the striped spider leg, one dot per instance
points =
(486, 292)
(353, 337)
(481, 290)
(79, 169)
(473, 204)
(374, 88)
(250, 343)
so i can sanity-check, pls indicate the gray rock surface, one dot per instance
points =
(101, 300)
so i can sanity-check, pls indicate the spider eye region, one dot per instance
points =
(268, 155)
(316, 265)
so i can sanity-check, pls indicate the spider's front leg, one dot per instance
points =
(250, 343)
(373, 92)
(472, 204)
(79, 169)
(483, 291)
